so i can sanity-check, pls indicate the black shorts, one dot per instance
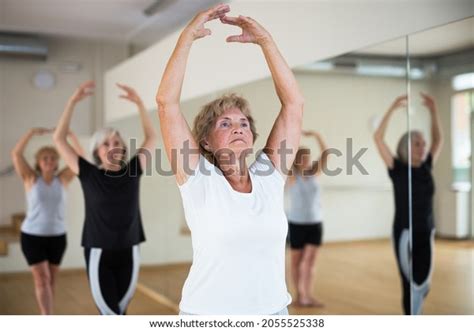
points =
(305, 234)
(37, 249)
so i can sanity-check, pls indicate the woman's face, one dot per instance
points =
(48, 162)
(231, 133)
(111, 151)
(418, 145)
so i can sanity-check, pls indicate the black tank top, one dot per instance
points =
(112, 219)
(423, 190)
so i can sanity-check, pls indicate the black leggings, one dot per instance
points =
(113, 276)
(421, 260)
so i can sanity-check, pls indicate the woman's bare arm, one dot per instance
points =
(286, 131)
(174, 128)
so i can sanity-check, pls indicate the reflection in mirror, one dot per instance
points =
(442, 85)
(355, 271)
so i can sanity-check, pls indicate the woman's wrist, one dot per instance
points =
(186, 39)
(140, 104)
(392, 109)
(71, 102)
(266, 41)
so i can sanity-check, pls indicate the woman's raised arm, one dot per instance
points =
(22, 168)
(284, 138)
(60, 135)
(379, 135)
(149, 132)
(174, 128)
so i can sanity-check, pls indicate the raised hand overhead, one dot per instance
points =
(149, 133)
(84, 90)
(379, 135)
(252, 31)
(22, 167)
(129, 94)
(174, 128)
(42, 131)
(196, 29)
(68, 152)
(437, 139)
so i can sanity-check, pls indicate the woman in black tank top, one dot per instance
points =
(423, 189)
(113, 227)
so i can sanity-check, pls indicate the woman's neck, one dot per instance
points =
(237, 174)
(416, 163)
(47, 176)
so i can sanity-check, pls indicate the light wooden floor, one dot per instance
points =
(351, 278)
(73, 297)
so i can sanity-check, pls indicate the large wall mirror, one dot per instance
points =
(357, 270)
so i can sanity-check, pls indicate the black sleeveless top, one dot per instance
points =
(112, 219)
(423, 190)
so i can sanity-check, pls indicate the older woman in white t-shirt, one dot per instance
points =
(235, 212)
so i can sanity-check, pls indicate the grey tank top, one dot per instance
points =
(46, 207)
(305, 201)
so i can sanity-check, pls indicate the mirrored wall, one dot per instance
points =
(346, 101)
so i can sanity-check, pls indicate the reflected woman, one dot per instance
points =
(235, 212)
(43, 232)
(305, 219)
(422, 202)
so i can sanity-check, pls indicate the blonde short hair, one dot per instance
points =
(44, 150)
(98, 139)
(206, 119)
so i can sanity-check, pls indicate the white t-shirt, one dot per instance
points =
(238, 242)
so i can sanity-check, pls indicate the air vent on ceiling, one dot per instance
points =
(22, 46)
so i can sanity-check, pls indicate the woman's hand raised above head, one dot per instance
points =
(84, 90)
(130, 94)
(41, 131)
(252, 31)
(428, 101)
(196, 29)
(310, 133)
(399, 102)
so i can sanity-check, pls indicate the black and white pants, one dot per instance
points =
(421, 260)
(113, 276)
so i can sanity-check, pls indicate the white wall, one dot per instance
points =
(445, 199)
(304, 30)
